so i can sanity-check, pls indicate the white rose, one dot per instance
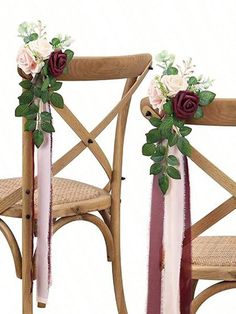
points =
(174, 83)
(40, 47)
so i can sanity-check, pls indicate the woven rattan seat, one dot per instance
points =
(69, 196)
(214, 251)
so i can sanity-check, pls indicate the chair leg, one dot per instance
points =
(194, 286)
(118, 283)
(27, 285)
(209, 292)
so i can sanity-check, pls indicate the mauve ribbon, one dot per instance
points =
(162, 297)
(43, 254)
(155, 250)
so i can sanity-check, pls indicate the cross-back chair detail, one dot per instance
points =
(133, 68)
(222, 112)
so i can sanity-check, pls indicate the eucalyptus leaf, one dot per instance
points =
(172, 71)
(46, 116)
(21, 110)
(192, 80)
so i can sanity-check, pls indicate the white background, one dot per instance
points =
(203, 29)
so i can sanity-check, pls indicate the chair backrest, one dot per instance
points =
(133, 68)
(222, 112)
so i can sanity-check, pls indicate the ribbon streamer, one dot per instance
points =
(44, 216)
(169, 283)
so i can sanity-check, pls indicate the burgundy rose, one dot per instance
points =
(57, 62)
(185, 104)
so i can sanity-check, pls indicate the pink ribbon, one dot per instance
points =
(169, 287)
(44, 217)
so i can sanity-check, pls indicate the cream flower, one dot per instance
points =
(40, 48)
(26, 61)
(156, 98)
(174, 83)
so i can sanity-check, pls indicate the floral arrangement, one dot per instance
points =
(40, 62)
(177, 95)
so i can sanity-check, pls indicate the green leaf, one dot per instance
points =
(56, 86)
(178, 123)
(37, 92)
(47, 127)
(184, 146)
(172, 160)
(32, 109)
(32, 116)
(161, 149)
(45, 84)
(166, 126)
(55, 42)
(163, 183)
(168, 108)
(26, 97)
(45, 96)
(148, 149)
(172, 71)
(57, 100)
(172, 139)
(156, 158)
(155, 168)
(21, 110)
(69, 54)
(199, 113)
(26, 40)
(33, 36)
(206, 97)
(26, 84)
(153, 136)
(30, 125)
(38, 138)
(155, 121)
(173, 172)
(45, 69)
(192, 80)
(46, 116)
(185, 130)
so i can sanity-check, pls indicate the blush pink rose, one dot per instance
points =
(27, 62)
(157, 100)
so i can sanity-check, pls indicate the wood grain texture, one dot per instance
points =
(209, 292)
(106, 68)
(27, 221)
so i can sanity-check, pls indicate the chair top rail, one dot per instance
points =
(106, 68)
(221, 112)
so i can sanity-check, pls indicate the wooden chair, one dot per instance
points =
(73, 200)
(213, 257)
